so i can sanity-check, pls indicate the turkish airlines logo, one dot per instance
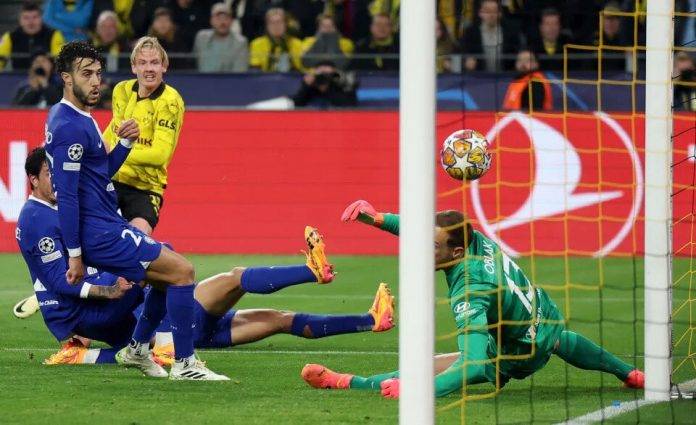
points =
(556, 186)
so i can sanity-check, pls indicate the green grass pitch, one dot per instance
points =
(266, 386)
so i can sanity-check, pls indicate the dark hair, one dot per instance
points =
(549, 11)
(77, 50)
(458, 228)
(35, 161)
(30, 6)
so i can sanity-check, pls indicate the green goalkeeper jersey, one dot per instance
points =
(500, 315)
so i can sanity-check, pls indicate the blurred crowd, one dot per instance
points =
(336, 36)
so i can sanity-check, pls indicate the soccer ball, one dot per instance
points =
(464, 155)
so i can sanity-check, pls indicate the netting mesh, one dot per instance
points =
(565, 197)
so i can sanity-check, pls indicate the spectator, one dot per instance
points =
(190, 17)
(456, 15)
(445, 47)
(351, 16)
(220, 49)
(684, 72)
(612, 60)
(306, 13)
(122, 9)
(141, 15)
(108, 42)
(485, 44)
(548, 45)
(29, 37)
(252, 15)
(69, 17)
(41, 89)
(324, 86)
(167, 33)
(380, 52)
(327, 44)
(518, 94)
(276, 51)
(390, 8)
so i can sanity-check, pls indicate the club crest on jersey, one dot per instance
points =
(49, 136)
(75, 152)
(46, 245)
(18, 233)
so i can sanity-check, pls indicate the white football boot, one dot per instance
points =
(140, 357)
(192, 369)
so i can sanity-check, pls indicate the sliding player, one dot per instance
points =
(101, 307)
(485, 288)
(92, 230)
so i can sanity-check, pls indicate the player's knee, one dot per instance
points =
(184, 273)
(236, 274)
(284, 320)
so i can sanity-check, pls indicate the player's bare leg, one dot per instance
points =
(218, 294)
(142, 225)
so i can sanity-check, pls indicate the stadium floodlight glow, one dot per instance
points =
(658, 202)
(417, 209)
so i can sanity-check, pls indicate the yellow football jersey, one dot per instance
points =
(160, 117)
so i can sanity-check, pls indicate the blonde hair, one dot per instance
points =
(149, 43)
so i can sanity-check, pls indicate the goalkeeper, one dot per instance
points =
(485, 288)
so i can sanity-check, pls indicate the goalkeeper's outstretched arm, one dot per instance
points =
(364, 212)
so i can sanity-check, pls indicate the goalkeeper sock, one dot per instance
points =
(180, 309)
(154, 309)
(321, 326)
(265, 280)
(585, 354)
(371, 382)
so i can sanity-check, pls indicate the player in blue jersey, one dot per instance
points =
(70, 310)
(96, 235)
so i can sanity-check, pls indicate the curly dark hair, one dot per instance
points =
(77, 50)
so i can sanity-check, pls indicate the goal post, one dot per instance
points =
(658, 202)
(417, 209)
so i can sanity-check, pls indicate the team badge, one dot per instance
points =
(46, 245)
(75, 152)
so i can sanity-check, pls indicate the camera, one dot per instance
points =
(39, 72)
(323, 79)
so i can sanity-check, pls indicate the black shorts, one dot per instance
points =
(138, 203)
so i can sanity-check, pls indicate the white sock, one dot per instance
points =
(138, 348)
(163, 338)
(91, 356)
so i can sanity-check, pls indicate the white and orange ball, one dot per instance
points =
(464, 155)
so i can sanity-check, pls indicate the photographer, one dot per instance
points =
(325, 87)
(40, 90)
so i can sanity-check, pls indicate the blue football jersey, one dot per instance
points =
(43, 248)
(81, 172)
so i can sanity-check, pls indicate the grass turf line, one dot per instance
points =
(269, 387)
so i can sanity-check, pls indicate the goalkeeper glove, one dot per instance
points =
(390, 388)
(364, 212)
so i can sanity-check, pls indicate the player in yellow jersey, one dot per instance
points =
(159, 111)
